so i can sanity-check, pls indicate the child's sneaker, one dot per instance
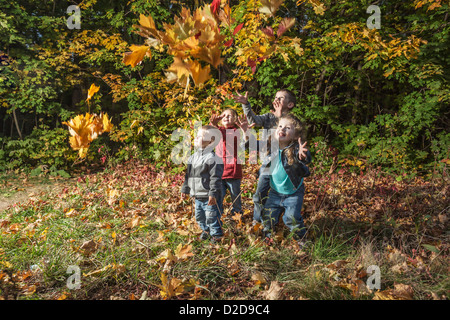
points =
(204, 236)
(267, 236)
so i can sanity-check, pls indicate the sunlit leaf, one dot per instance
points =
(136, 55)
(92, 90)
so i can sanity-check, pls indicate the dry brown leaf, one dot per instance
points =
(89, 247)
(274, 291)
(170, 288)
(403, 291)
(183, 252)
(134, 222)
(400, 292)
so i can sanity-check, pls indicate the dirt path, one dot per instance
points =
(18, 191)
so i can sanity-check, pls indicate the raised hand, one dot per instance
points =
(243, 123)
(302, 149)
(242, 99)
(215, 119)
(278, 108)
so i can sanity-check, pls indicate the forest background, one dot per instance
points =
(370, 97)
(106, 97)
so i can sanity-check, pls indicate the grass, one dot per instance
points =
(129, 233)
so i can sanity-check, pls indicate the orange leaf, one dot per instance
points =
(136, 55)
(179, 68)
(199, 74)
(147, 22)
(183, 252)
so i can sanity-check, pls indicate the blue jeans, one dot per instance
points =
(208, 217)
(234, 185)
(260, 195)
(292, 205)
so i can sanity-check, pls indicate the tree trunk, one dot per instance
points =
(17, 124)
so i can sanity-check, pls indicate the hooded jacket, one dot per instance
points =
(203, 175)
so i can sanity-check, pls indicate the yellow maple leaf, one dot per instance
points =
(92, 90)
(85, 128)
(199, 74)
(106, 122)
(147, 21)
(180, 68)
(136, 55)
(170, 288)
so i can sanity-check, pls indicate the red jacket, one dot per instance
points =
(231, 168)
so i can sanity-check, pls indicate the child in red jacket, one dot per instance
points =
(227, 149)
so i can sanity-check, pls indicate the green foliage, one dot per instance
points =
(44, 147)
(368, 97)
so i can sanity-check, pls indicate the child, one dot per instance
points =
(287, 170)
(283, 103)
(203, 182)
(228, 151)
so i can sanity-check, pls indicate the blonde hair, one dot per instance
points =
(298, 133)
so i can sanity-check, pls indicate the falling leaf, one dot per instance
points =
(268, 31)
(92, 90)
(147, 22)
(136, 55)
(228, 43)
(200, 75)
(85, 128)
(215, 6)
(285, 25)
(180, 68)
(270, 6)
(252, 64)
(106, 122)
